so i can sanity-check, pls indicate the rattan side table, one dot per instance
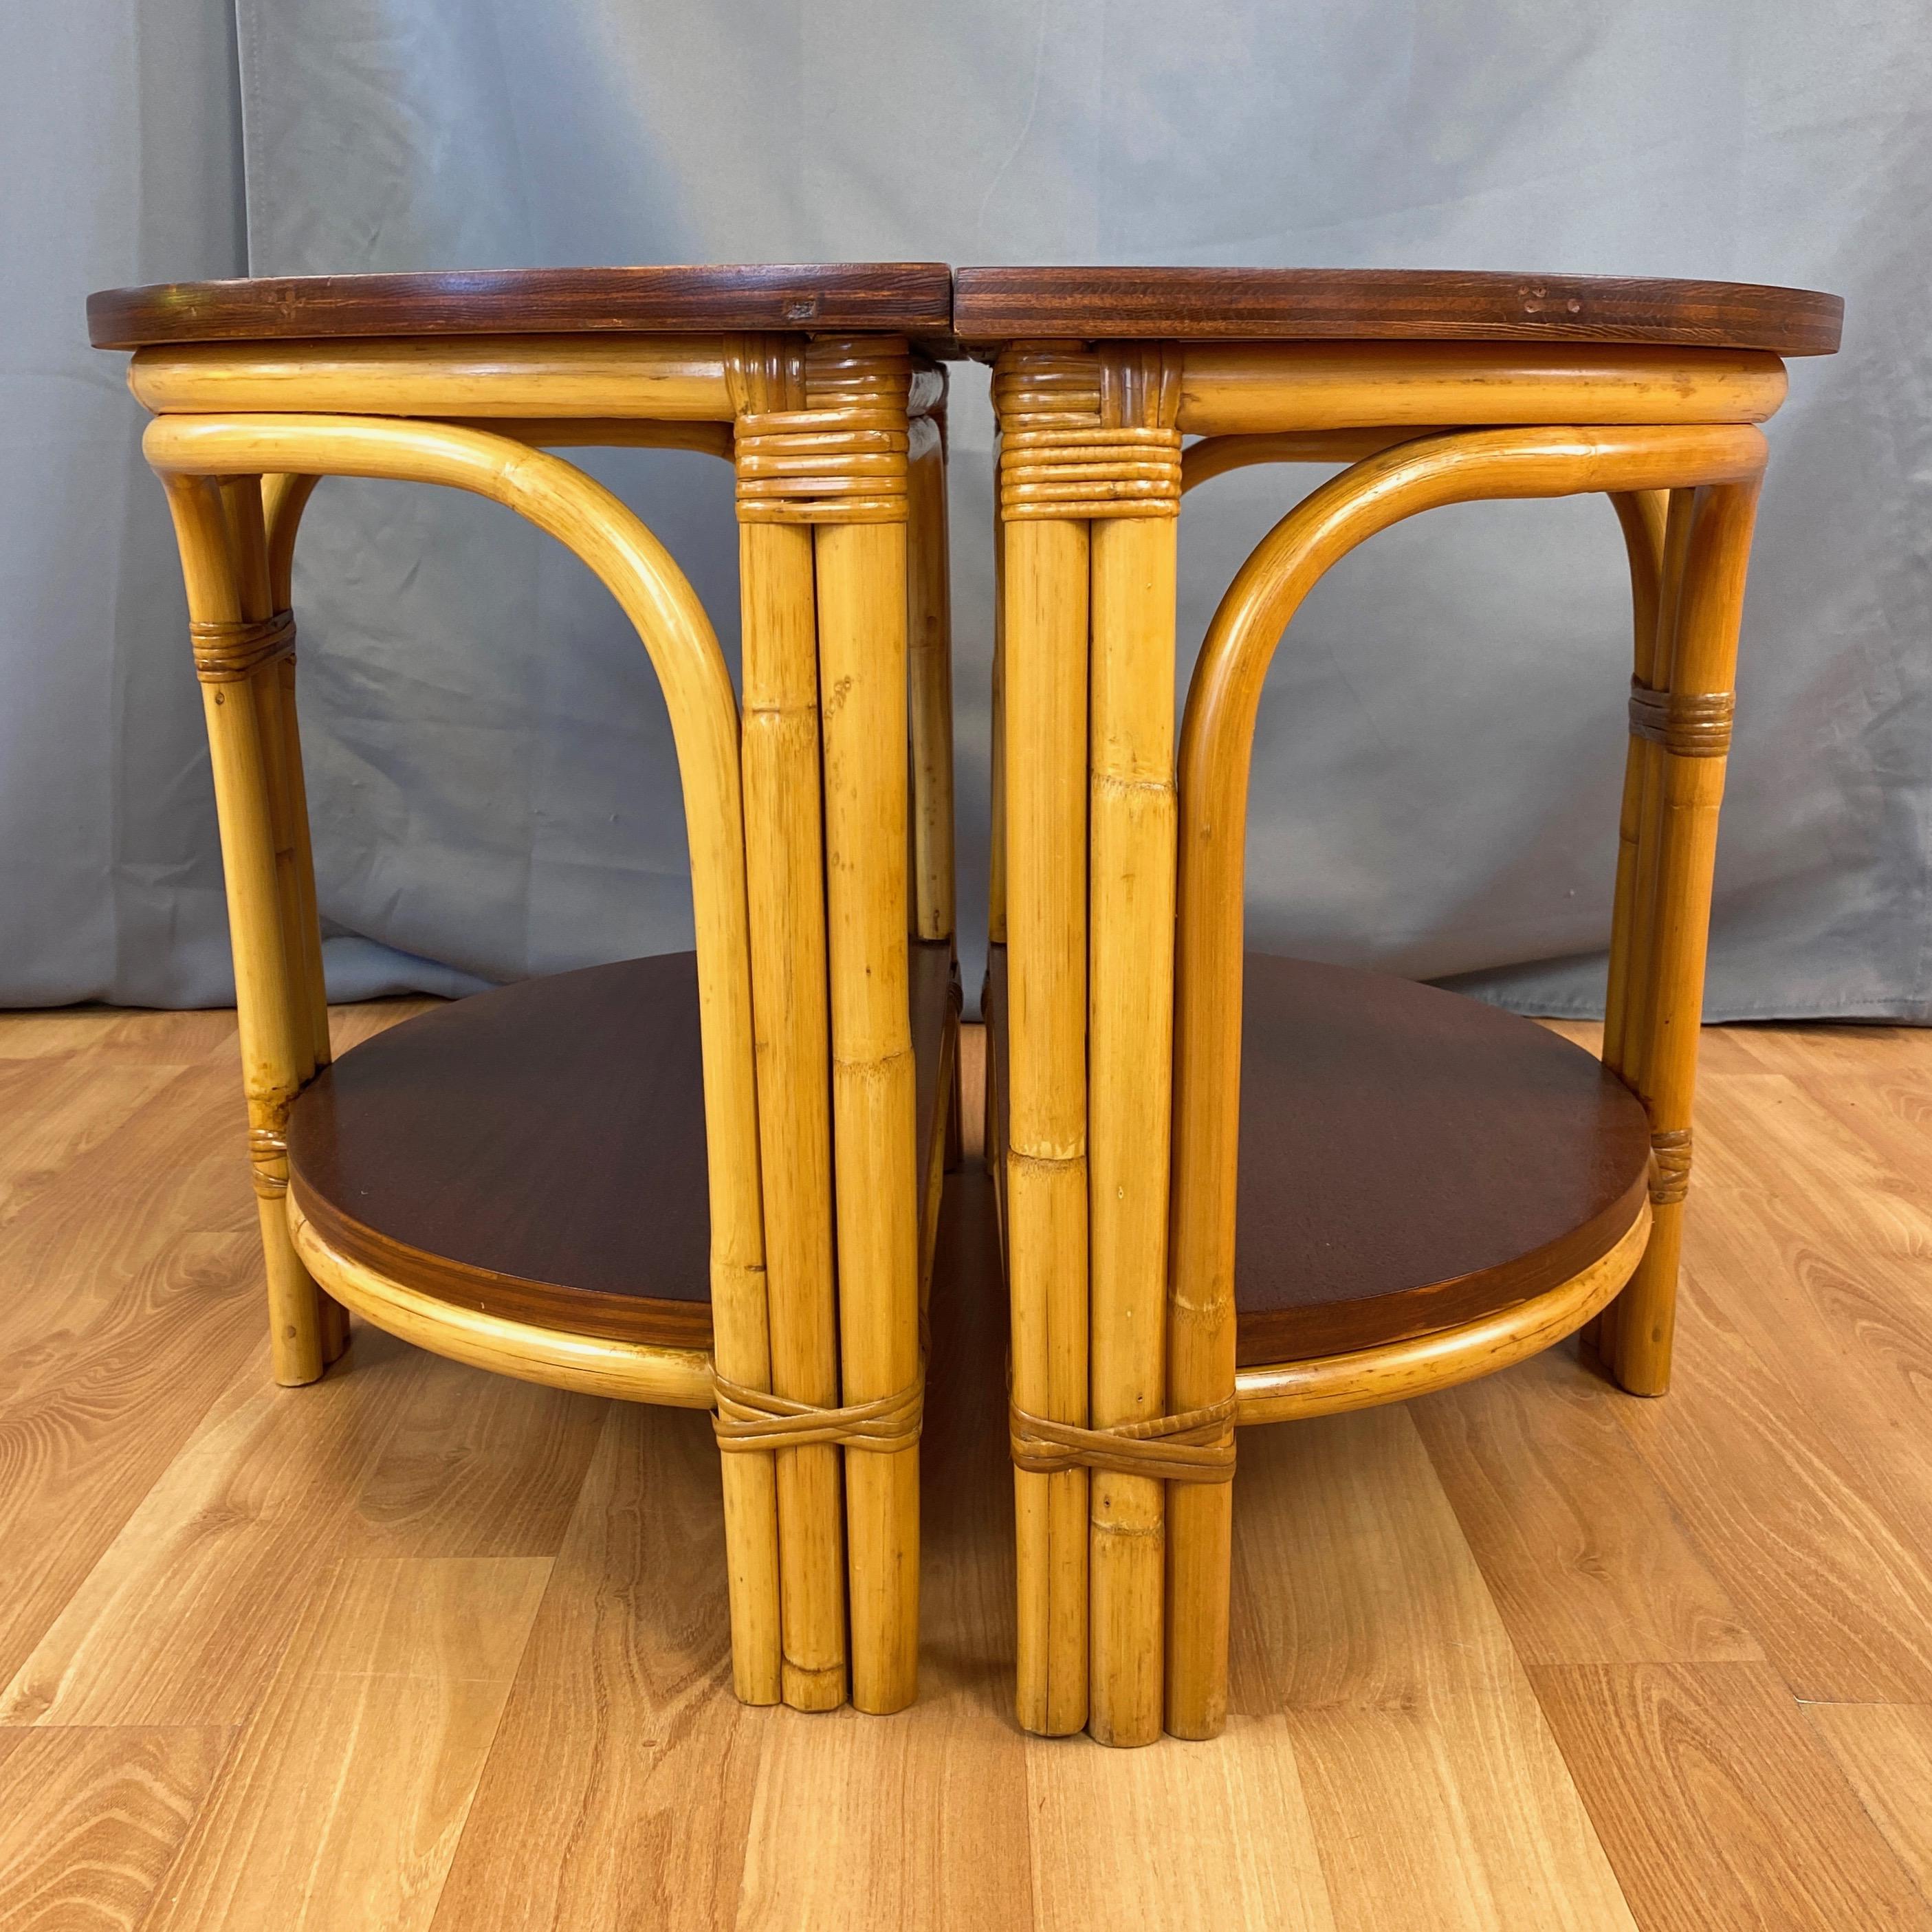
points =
(1328, 1233)
(632, 1180)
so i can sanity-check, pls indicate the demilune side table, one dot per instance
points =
(1237, 1190)
(635, 1179)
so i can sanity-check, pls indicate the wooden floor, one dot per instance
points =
(418, 1648)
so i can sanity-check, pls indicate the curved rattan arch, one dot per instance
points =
(193, 454)
(1216, 747)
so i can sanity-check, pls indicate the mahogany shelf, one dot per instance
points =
(537, 1152)
(1410, 1160)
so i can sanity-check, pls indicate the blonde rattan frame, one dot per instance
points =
(802, 923)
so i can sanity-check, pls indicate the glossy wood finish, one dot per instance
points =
(993, 305)
(1429, 1598)
(539, 1152)
(903, 297)
(1410, 1160)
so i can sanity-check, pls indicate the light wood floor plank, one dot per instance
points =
(922, 1820)
(347, 1791)
(106, 1413)
(91, 1820)
(1885, 1749)
(1582, 1551)
(1840, 1048)
(1189, 1837)
(117, 1033)
(917, 1821)
(52, 1110)
(164, 1517)
(1823, 1299)
(1766, 1131)
(183, 1617)
(174, 1168)
(618, 1788)
(1430, 1771)
(349, 1026)
(1890, 1114)
(1837, 1588)
(1721, 1809)
(475, 1465)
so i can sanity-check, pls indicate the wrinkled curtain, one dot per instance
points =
(1441, 745)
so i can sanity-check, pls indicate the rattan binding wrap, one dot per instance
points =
(268, 1162)
(821, 435)
(1687, 724)
(1670, 1165)
(1084, 436)
(227, 653)
(1197, 1446)
(749, 1418)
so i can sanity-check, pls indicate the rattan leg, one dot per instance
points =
(1130, 1010)
(236, 654)
(1688, 725)
(863, 681)
(1046, 708)
(784, 879)
(784, 883)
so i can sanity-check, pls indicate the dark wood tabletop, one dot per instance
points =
(889, 298)
(1006, 304)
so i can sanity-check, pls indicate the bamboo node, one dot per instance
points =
(1687, 724)
(752, 1418)
(1195, 1446)
(226, 653)
(1670, 1165)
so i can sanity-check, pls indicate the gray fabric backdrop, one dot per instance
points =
(1442, 738)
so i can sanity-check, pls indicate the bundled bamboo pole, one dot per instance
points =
(929, 643)
(849, 481)
(1046, 592)
(1043, 693)
(996, 856)
(283, 498)
(784, 883)
(1130, 1011)
(861, 647)
(262, 524)
(1130, 1036)
(1688, 721)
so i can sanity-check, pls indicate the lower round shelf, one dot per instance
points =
(1412, 1162)
(537, 1154)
